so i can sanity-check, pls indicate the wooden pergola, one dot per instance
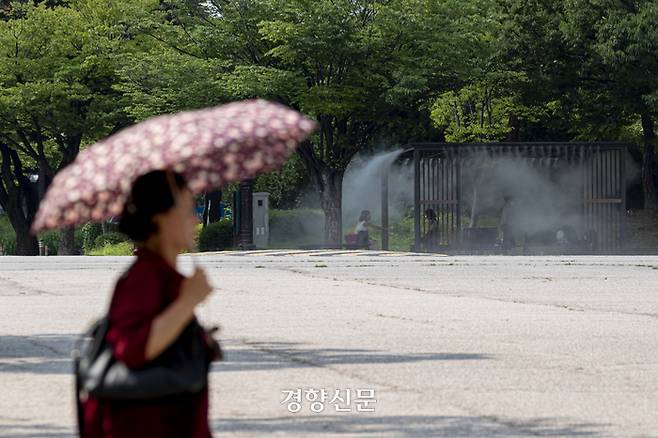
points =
(438, 184)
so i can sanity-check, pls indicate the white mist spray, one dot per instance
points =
(362, 187)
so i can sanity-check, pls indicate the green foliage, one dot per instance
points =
(7, 235)
(55, 84)
(216, 236)
(165, 81)
(285, 186)
(56, 95)
(401, 237)
(50, 239)
(90, 232)
(369, 72)
(109, 239)
(118, 249)
(292, 228)
(475, 113)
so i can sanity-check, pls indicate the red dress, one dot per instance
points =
(142, 293)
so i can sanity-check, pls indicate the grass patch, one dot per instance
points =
(7, 235)
(400, 235)
(118, 249)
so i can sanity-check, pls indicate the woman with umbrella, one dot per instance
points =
(149, 174)
(151, 306)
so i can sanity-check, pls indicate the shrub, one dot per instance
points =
(51, 240)
(119, 249)
(78, 241)
(109, 239)
(7, 235)
(216, 236)
(8, 244)
(89, 233)
(401, 237)
(296, 227)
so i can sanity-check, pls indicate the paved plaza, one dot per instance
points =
(450, 346)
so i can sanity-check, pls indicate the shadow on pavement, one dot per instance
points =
(435, 426)
(17, 428)
(39, 354)
(50, 354)
(258, 356)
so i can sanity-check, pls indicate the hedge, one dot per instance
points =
(216, 236)
(90, 232)
(109, 239)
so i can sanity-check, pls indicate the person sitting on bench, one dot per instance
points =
(361, 230)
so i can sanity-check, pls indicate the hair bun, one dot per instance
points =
(150, 195)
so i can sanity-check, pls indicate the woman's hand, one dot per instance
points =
(196, 288)
(167, 326)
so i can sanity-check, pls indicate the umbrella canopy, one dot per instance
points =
(210, 147)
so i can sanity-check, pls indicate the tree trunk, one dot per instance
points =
(66, 242)
(26, 243)
(331, 195)
(648, 162)
(18, 199)
(206, 210)
(515, 128)
(214, 199)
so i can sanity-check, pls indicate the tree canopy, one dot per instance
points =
(372, 73)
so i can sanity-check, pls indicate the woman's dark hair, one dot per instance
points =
(151, 195)
(364, 215)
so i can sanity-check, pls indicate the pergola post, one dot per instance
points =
(385, 209)
(416, 200)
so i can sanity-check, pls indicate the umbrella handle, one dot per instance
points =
(208, 306)
(175, 193)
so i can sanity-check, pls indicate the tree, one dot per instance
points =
(591, 67)
(626, 42)
(285, 185)
(356, 67)
(55, 96)
(363, 69)
(18, 198)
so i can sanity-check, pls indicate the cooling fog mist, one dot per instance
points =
(362, 187)
(546, 195)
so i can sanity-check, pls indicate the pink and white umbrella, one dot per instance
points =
(210, 147)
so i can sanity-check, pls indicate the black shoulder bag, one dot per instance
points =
(180, 369)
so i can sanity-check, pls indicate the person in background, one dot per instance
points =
(431, 237)
(362, 230)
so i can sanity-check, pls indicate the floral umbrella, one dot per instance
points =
(210, 147)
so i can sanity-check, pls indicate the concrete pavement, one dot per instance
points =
(451, 346)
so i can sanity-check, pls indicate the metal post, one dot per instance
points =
(458, 196)
(622, 184)
(385, 209)
(416, 200)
